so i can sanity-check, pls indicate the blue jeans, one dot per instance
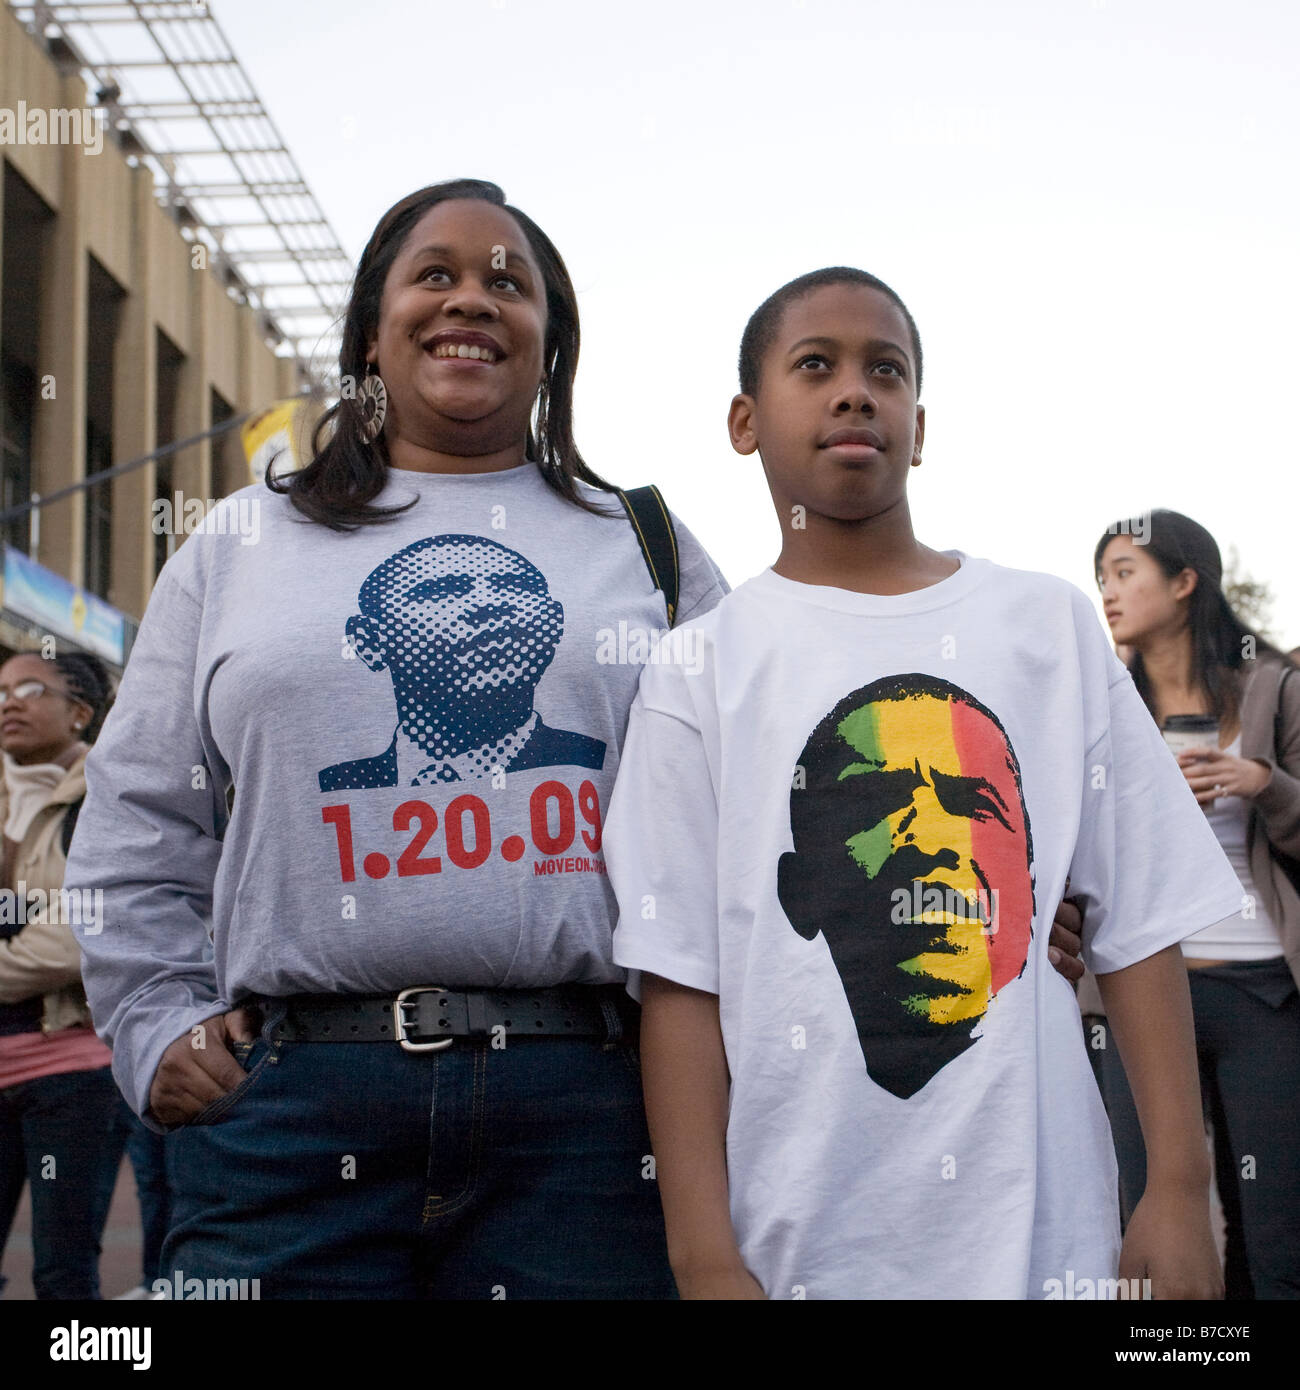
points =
(148, 1154)
(358, 1170)
(56, 1133)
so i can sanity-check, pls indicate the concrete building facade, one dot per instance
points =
(117, 336)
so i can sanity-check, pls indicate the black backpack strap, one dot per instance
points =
(650, 520)
(70, 823)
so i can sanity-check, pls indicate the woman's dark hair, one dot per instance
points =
(761, 330)
(87, 679)
(346, 471)
(1219, 646)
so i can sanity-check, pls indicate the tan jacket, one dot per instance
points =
(44, 958)
(1275, 812)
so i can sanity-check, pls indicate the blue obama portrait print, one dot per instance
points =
(465, 628)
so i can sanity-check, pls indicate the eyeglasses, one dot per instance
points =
(31, 690)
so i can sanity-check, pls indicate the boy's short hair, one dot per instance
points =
(760, 331)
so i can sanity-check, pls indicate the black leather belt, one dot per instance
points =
(427, 1018)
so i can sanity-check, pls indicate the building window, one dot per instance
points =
(16, 409)
(171, 363)
(229, 471)
(27, 221)
(103, 314)
(99, 513)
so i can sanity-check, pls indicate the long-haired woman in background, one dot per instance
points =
(1191, 655)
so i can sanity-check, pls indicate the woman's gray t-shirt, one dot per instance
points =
(423, 721)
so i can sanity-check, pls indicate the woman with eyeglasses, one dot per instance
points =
(57, 1096)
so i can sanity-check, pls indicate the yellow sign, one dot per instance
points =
(274, 437)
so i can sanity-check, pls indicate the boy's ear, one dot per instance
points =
(920, 436)
(740, 425)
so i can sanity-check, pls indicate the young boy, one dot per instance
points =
(836, 849)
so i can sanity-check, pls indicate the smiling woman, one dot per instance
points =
(405, 1066)
(450, 274)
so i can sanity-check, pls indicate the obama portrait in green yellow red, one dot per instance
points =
(913, 858)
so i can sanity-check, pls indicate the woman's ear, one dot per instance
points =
(1185, 582)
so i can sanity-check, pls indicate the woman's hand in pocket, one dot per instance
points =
(198, 1068)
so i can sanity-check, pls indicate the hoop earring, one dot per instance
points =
(372, 401)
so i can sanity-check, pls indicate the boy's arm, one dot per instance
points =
(1168, 1240)
(684, 1073)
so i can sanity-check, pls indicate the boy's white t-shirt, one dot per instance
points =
(841, 813)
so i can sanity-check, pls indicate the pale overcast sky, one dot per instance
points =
(1090, 206)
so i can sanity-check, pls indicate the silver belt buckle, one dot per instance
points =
(400, 1022)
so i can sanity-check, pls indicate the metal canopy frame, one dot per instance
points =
(177, 100)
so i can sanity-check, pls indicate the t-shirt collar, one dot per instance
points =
(971, 572)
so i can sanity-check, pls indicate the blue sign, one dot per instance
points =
(31, 591)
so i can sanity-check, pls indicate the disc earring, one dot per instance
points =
(372, 400)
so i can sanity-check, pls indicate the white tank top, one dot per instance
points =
(1251, 934)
